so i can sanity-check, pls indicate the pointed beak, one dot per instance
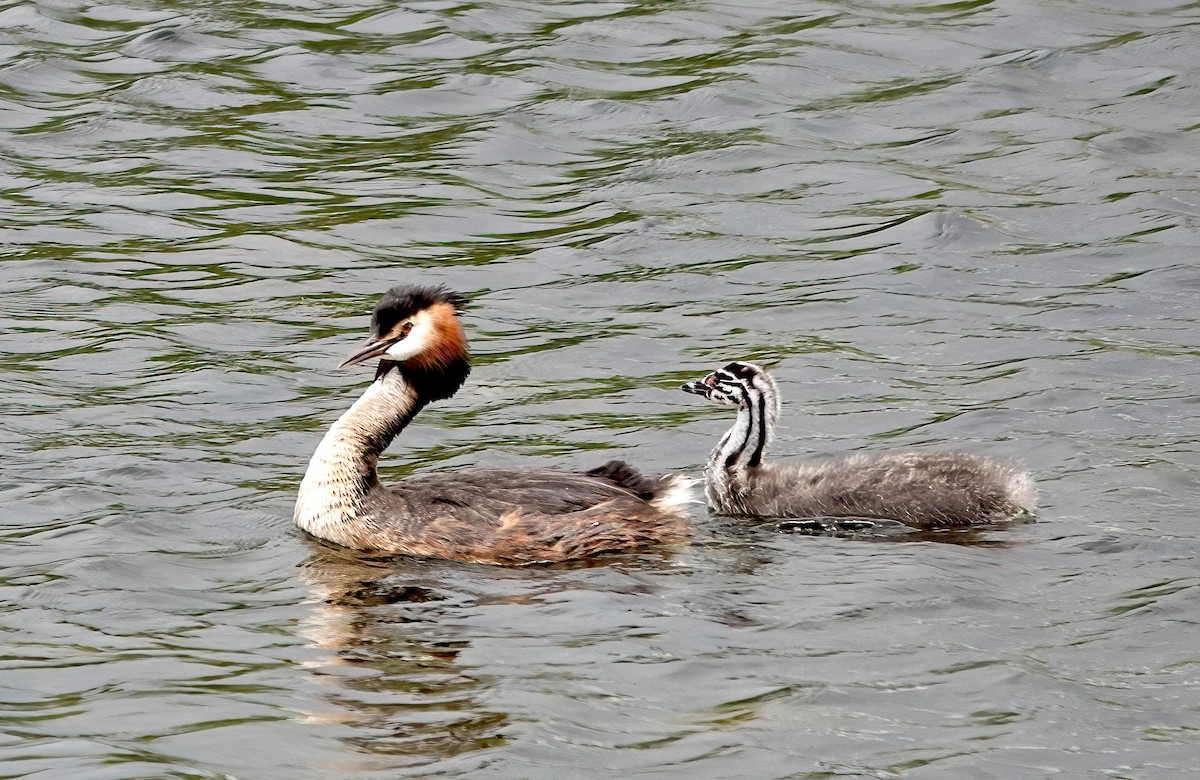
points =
(372, 349)
(697, 387)
(701, 386)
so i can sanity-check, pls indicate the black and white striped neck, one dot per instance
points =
(741, 449)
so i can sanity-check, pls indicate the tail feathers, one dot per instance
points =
(668, 493)
(623, 475)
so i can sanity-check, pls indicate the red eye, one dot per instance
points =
(405, 328)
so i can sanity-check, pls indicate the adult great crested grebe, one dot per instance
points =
(494, 516)
(919, 489)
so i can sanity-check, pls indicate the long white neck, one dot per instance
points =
(742, 447)
(343, 469)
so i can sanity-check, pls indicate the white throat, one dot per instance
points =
(342, 470)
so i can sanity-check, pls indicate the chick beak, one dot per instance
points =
(698, 387)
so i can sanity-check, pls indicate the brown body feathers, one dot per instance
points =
(497, 516)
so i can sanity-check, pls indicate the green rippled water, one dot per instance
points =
(969, 224)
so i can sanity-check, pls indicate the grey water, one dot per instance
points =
(963, 225)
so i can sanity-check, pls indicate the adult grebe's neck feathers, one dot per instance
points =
(497, 516)
(423, 357)
(343, 468)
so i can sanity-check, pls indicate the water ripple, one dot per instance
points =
(953, 223)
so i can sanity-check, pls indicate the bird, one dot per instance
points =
(918, 489)
(498, 516)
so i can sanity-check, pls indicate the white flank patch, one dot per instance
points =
(1024, 491)
(678, 495)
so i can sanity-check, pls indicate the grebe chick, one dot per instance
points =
(919, 489)
(496, 516)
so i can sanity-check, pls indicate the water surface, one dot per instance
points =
(966, 224)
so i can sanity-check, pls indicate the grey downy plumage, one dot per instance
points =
(919, 489)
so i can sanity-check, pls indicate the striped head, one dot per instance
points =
(749, 388)
(744, 385)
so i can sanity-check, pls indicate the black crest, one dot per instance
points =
(405, 300)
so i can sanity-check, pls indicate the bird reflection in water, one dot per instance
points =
(391, 670)
(882, 531)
